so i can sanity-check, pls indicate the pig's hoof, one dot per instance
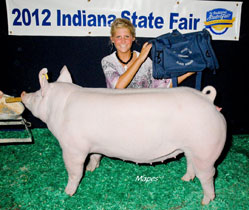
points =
(188, 177)
(207, 199)
(92, 166)
(70, 191)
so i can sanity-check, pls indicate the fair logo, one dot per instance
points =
(219, 20)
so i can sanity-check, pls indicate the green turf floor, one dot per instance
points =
(33, 176)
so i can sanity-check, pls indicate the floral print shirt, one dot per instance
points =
(113, 69)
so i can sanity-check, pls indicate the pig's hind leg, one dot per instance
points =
(190, 174)
(74, 163)
(93, 162)
(205, 172)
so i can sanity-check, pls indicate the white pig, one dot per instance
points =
(139, 125)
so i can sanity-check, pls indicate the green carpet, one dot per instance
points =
(33, 176)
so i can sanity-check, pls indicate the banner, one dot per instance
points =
(150, 17)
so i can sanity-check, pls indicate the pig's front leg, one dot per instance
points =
(93, 162)
(74, 163)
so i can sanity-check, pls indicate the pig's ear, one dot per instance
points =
(65, 76)
(43, 81)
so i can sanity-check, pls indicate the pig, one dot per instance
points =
(138, 125)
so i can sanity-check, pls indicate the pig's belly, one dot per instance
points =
(139, 144)
(140, 153)
(145, 157)
(142, 138)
